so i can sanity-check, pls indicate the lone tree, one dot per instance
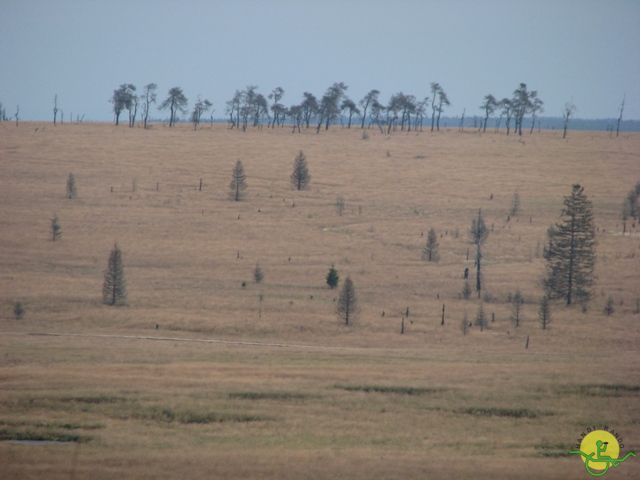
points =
(479, 234)
(544, 312)
(148, 98)
(333, 278)
(56, 230)
(517, 300)
(481, 318)
(506, 110)
(631, 207)
(627, 208)
(72, 191)
(114, 289)
(55, 109)
(435, 88)
(366, 101)
(443, 101)
(570, 254)
(175, 102)
(18, 310)
(347, 302)
(537, 106)
(300, 177)
(489, 106)
(430, 251)
(569, 110)
(238, 182)
(350, 107)
(122, 99)
(466, 289)
(515, 204)
(258, 274)
(201, 107)
(609, 308)
(620, 116)
(340, 205)
(464, 325)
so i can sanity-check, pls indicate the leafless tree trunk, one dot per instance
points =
(55, 108)
(569, 109)
(620, 117)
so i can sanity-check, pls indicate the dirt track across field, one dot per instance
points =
(179, 339)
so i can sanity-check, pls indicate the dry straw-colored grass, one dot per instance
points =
(421, 405)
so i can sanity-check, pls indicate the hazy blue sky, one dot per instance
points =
(583, 50)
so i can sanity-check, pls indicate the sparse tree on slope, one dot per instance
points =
(300, 176)
(238, 182)
(630, 207)
(481, 318)
(515, 204)
(517, 300)
(114, 289)
(258, 274)
(570, 254)
(544, 312)
(72, 190)
(430, 251)
(347, 302)
(479, 234)
(56, 230)
(18, 310)
(332, 278)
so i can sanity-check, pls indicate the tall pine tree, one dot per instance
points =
(430, 250)
(570, 254)
(238, 182)
(300, 176)
(347, 303)
(114, 289)
(479, 234)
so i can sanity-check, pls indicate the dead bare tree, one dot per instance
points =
(347, 303)
(569, 110)
(55, 108)
(148, 97)
(620, 116)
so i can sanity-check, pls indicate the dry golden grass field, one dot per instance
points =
(290, 392)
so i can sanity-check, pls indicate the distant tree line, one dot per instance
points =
(404, 112)
(249, 108)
